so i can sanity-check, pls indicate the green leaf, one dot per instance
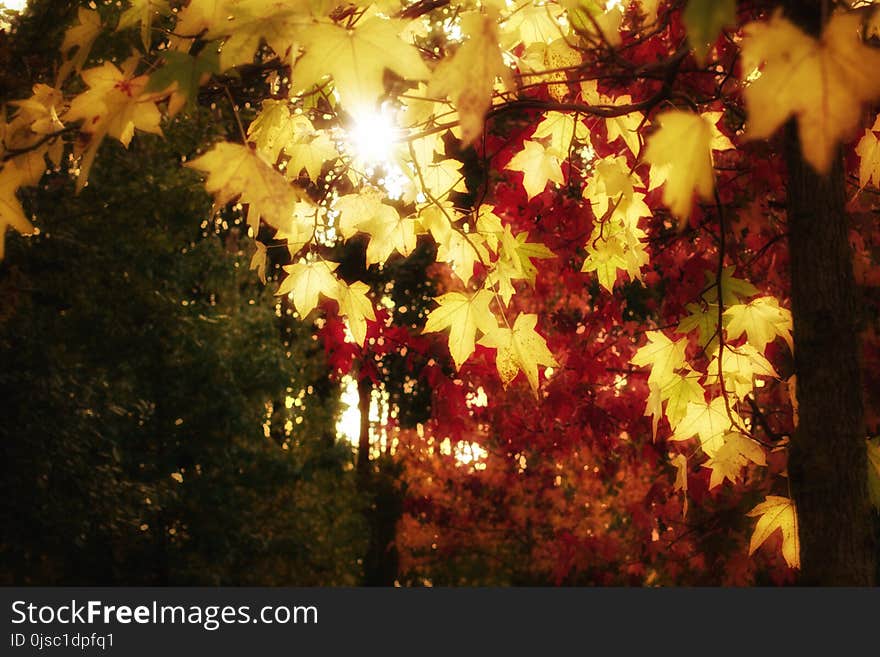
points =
(142, 13)
(704, 20)
(186, 71)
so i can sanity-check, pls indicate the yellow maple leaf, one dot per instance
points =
(682, 150)
(822, 82)
(489, 226)
(357, 308)
(520, 349)
(442, 177)
(561, 129)
(299, 228)
(357, 209)
(468, 77)
(610, 184)
(310, 155)
(605, 256)
(416, 109)
(679, 391)
(617, 244)
(279, 23)
(438, 220)
(663, 355)
(709, 422)
(39, 114)
(733, 290)
(530, 23)
(274, 127)
(463, 251)
(236, 171)
(199, 17)
(389, 232)
(114, 105)
(559, 55)
(305, 281)
(868, 150)
(625, 127)
(519, 251)
(515, 262)
(539, 165)
(357, 59)
(774, 513)
(680, 463)
(258, 261)
(463, 316)
(705, 321)
(720, 141)
(82, 37)
(762, 320)
(732, 457)
(739, 366)
(598, 22)
(425, 148)
(13, 177)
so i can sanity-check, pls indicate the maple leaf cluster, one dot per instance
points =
(593, 178)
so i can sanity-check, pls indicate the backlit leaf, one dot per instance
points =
(238, 172)
(356, 59)
(306, 281)
(777, 513)
(682, 149)
(520, 349)
(823, 82)
(463, 315)
(357, 308)
(468, 77)
(710, 422)
(663, 355)
(539, 165)
(736, 452)
(762, 320)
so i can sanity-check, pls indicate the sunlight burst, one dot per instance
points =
(349, 424)
(372, 137)
(13, 5)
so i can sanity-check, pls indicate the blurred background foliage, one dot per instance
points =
(156, 427)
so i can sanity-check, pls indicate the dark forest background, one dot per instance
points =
(143, 379)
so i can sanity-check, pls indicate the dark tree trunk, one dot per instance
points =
(381, 563)
(828, 459)
(378, 482)
(365, 391)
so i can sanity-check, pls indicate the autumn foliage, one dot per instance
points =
(599, 186)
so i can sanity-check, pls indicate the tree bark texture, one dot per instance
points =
(828, 459)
